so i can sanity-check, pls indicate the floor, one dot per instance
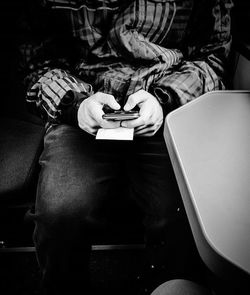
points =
(113, 271)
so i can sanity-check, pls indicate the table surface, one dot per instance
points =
(209, 145)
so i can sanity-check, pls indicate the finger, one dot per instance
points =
(107, 99)
(108, 124)
(143, 127)
(145, 119)
(134, 99)
(86, 122)
(88, 129)
(145, 132)
(145, 135)
(151, 128)
(133, 123)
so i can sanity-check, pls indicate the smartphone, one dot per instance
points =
(121, 115)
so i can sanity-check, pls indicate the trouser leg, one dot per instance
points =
(75, 183)
(155, 189)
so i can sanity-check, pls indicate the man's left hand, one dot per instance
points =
(151, 114)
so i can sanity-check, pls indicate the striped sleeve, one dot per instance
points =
(204, 68)
(55, 94)
(47, 58)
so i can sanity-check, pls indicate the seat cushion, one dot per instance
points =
(21, 143)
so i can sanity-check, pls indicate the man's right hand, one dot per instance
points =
(90, 112)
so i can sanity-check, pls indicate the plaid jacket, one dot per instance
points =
(175, 49)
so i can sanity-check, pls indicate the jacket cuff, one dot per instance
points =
(167, 98)
(69, 107)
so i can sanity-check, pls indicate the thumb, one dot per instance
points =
(110, 101)
(133, 100)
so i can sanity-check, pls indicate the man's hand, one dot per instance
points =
(151, 114)
(91, 110)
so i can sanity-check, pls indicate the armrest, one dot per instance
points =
(21, 143)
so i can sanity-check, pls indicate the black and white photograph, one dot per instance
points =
(125, 147)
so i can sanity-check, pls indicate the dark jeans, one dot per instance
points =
(80, 181)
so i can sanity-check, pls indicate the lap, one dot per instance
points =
(81, 174)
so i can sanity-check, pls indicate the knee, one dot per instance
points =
(65, 204)
(179, 287)
(65, 217)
